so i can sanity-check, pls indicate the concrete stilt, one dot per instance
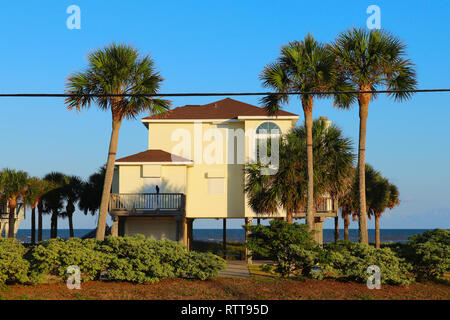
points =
(190, 233)
(318, 228)
(115, 226)
(224, 237)
(248, 222)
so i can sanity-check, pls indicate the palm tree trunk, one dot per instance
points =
(40, 209)
(363, 100)
(307, 103)
(70, 224)
(377, 231)
(336, 220)
(346, 225)
(103, 214)
(289, 217)
(12, 218)
(33, 224)
(54, 225)
(70, 209)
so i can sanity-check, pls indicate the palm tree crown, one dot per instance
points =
(117, 69)
(370, 59)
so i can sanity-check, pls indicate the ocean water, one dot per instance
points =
(215, 235)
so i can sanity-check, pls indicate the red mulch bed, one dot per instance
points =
(226, 288)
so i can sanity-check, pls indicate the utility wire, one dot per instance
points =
(66, 95)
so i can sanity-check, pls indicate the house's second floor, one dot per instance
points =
(222, 132)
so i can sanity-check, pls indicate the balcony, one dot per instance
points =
(324, 209)
(4, 211)
(147, 204)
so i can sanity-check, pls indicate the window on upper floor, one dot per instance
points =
(265, 132)
(268, 128)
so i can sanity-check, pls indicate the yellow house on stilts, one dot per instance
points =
(194, 169)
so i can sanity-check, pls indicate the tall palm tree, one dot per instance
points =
(71, 193)
(369, 60)
(305, 66)
(115, 70)
(13, 186)
(54, 199)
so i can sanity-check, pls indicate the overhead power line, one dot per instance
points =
(207, 94)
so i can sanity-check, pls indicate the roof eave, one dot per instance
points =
(140, 163)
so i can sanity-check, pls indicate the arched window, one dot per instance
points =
(268, 128)
(265, 135)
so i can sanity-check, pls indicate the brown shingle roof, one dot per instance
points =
(153, 155)
(222, 109)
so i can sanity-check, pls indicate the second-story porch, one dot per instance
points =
(147, 204)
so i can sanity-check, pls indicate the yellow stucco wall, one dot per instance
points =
(131, 178)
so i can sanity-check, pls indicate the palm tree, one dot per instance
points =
(305, 66)
(381, 195)
(43, 187)
(71, 193)
(369, 60)
(13, 185)
(53, 200)
(337, 157)
(348, 204)
(115, 70)
(31, 199)
(91, 192)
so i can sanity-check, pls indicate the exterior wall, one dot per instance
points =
(4, 219)
(285, 127)
(131, 178)
(157, 228)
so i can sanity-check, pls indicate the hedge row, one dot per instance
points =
(425, 256)
(134, 259)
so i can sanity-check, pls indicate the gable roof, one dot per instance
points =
(153, 155)
(222, 109)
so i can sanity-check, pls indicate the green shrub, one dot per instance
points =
(350, 261)
(289, 245)
(55, 255)
(429, 253)
(140, 259)
(134, 259)
(13, 266)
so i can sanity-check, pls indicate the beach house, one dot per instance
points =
(19, 216)
(193, 169)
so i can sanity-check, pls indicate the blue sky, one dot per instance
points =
(217, 46)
